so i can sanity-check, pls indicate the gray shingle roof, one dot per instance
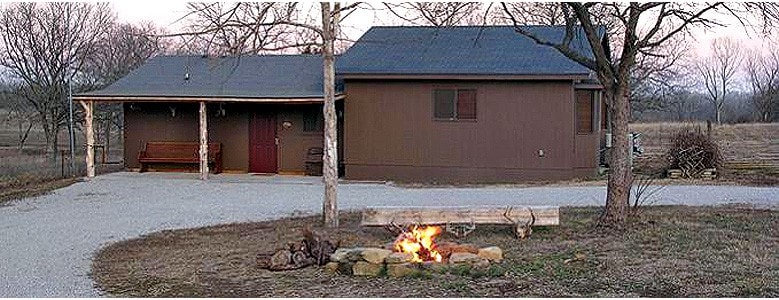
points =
(461, 50)
(255, 76)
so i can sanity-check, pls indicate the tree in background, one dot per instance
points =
(661, 22)
(718, 72)
(438, 13)
(240, 28)
(18, 111)
(44, 47)
(660, 82)
(763, 77)
(125, 48)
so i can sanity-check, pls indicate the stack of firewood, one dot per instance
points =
(311, 250)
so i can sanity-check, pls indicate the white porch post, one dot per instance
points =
(203, 141)
(90, 135)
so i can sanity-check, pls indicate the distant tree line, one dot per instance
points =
(51, 50)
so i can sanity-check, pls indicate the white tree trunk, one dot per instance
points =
(330, 159)
(89, 131)
(203, 141)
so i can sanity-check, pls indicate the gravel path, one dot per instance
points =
(48, 241)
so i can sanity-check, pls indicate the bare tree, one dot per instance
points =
(763, 76)
(243, 28)
(19, 112)
(438, 13)
(718, 72)
(661, 22)
(125, 48)
(284, 31)
(44, 46)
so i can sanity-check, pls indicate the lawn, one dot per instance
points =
(673, 251)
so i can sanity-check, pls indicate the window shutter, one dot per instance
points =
(584, 112)
(466, 104)
(443, 104)
(604, 117)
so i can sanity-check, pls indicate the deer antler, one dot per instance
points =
(532, 218)
(394, 228)
(507, 213)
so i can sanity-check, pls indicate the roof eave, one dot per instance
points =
(573, 76)
(145, 98)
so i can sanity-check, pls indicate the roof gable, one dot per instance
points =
(461, 50)
(252, 76)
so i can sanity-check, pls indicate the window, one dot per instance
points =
(584, 108)
(452, 104)
(313, 120)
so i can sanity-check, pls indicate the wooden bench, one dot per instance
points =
(461, 220)
(179, 153)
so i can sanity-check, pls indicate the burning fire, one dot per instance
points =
(419, 242)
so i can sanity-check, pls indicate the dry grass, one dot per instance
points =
(675, 252)
(750, 151)
(32, 174)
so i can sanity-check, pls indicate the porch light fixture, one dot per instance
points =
(221, 112)
(286, 124)
(172, 111)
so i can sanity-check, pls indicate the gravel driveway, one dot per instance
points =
(48, 241)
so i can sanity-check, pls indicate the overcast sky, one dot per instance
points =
(165, 13)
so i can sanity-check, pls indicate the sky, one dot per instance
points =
(166, 14)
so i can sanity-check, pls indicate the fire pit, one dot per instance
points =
(412, 251)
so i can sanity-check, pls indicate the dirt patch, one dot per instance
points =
(675, 251)
(32, 189)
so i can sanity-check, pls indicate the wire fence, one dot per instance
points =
(19, 170)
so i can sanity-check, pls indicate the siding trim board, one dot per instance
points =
(465, 76)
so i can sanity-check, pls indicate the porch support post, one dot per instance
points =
(203, 141)
(89, 131)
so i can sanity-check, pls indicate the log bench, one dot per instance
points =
(461, 220)
(179, 153)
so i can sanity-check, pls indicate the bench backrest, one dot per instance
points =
(179, 149)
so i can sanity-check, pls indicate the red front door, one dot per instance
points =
(262, 143)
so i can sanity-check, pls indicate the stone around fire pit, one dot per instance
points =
(401, 269)
(364, 268)
(492, 253)
(373, 261)
(399, 258)
(467, 258)
(375, 255)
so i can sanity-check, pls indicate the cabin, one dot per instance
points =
(468, 104)
(415, 104)
(265, 112)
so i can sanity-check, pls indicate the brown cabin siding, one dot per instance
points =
(146, 122)
(293, 141)
(390, 133)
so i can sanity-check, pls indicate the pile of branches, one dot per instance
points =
(312, 250)
(692, 152)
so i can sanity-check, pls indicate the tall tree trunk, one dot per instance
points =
(620, 176)
(330, 159)
(50, 134)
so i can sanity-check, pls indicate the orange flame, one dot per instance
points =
(419, 242)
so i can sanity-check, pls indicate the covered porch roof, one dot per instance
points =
(255, 78)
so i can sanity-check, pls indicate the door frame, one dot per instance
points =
(252, 120)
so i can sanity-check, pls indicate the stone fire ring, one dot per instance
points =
(377, 261)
